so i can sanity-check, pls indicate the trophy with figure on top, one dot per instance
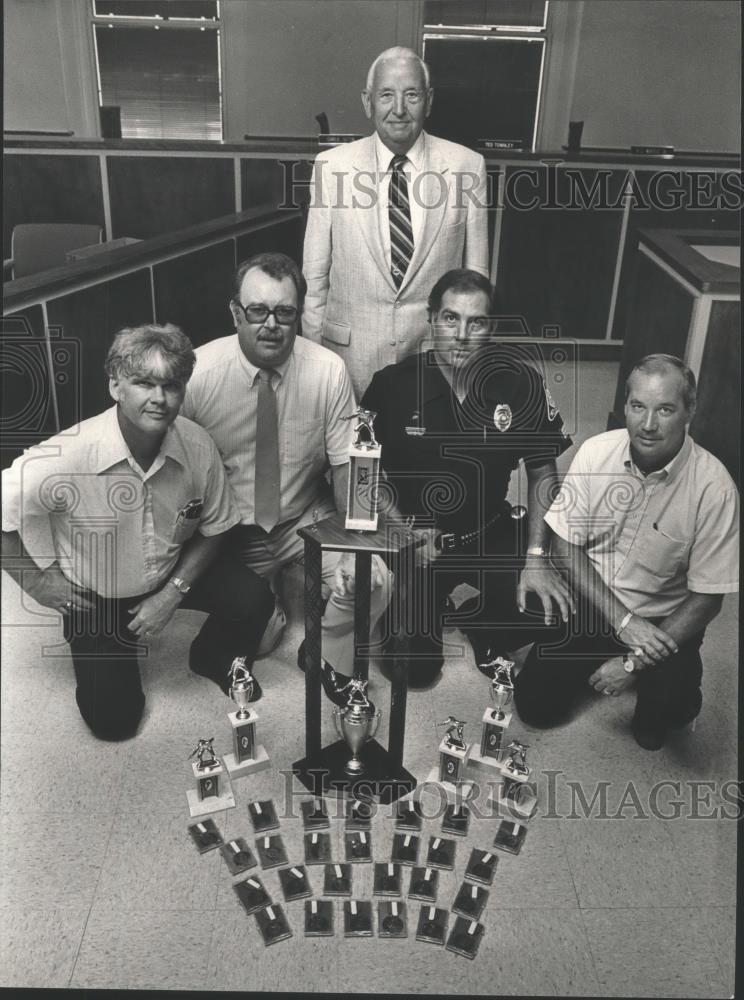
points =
(453, 756)
(247, 756)
(209, 796)
(515, 795)
(495, 720)
(364, 473)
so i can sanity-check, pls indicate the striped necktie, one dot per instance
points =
(266, 491)
(399, 213)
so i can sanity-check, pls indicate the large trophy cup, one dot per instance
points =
(372, 770)
(208, 797)
(453, 756)
(364, 473)
(357, 723)
(495, 720)
(247, 756)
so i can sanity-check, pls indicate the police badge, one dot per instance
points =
(502, 417)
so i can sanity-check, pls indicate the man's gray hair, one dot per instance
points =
(398, 52)
(655, 364)
(136, 349)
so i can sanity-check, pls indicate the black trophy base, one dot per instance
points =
(324, 773)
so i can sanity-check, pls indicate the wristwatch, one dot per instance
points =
(537, 550)
(180, 584)
(629, 663)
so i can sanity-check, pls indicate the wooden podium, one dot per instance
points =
(322, 768)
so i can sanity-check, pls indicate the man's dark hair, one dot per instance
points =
(135, 349)
(654, 364)
(277, 266)
(461, 279)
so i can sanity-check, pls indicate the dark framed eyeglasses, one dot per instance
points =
(256, 313)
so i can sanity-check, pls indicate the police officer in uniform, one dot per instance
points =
(454, 421)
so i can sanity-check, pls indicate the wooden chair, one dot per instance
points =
(38, 246)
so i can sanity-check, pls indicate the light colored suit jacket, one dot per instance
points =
(352, 304)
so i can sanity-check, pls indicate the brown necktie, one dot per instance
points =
(267, 454)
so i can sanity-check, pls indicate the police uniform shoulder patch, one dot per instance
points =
(552, 408)
(502, 417)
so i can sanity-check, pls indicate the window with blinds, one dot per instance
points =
(159, 63)
(486, 59)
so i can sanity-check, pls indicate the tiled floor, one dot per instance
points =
(102, 888)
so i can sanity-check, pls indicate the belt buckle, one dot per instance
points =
(447, 542)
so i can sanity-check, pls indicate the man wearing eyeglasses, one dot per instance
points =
(277, 407)
(454, 421)
(389, 214)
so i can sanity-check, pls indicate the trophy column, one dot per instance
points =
(247, 756)
(213, 791)
(323, 769)
(453, 758)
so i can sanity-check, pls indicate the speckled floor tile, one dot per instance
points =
(152, 863)
(239, 960)
(56, 933)
(51, 857)
(624, 863)
(720, 923)
(664, 952)
(561, 966)
(66, 777)
(705, 850)
(144, 949)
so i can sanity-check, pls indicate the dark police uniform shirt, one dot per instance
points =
(447, 462)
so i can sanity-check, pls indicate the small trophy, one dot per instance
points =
(247, 756)
(515, 796)
(364, 473)
(357, 722)
(453, 756)
(208, 770)
(495, 720)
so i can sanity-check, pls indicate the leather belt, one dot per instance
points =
(451, 541)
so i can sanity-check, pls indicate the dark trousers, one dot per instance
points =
(555, 675)
(104, 652)
(492, 622)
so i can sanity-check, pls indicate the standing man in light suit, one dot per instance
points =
(389, 215)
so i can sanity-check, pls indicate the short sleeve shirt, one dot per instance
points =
(654, 538)
(313, 398)
(452, 461)
(81, 498)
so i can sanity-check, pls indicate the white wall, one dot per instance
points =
(659, 71)
(288, 60)
(49, 77)
(653, 71)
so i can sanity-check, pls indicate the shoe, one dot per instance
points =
(333, 682)
(273, 632)
(649, 733)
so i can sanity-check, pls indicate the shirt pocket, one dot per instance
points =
(659, 554)
(303, 442)
(184, 528)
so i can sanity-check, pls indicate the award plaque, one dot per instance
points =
(314, 815)
(205, 835)
(273, 925)
(337, 880)
(465, 937)
(432, 925)
(424, 884)
(510, 837)
(391, 919)
(470, 901)
(238, 856)
(209, 795)
(481, 866)
(247, 755)
(357, 918)
(364, 474)
(318, 917)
